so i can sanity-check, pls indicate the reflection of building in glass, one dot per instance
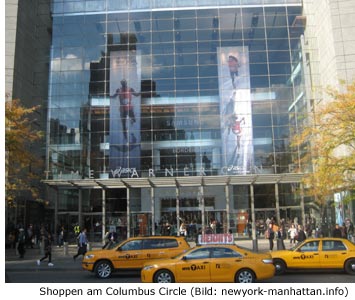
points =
(197, 161)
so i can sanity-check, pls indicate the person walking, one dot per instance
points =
(82, 244)
(301, 235)
(270, 235)
(337, 232)
(47, 239)
(281, 235)
(21, 239)
(292, 232)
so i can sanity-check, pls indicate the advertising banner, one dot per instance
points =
(235, 109)
(125, 113)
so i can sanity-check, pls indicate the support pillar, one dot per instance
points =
(152, 208)
(253, 223)
(103, 223)
(177, 191)
(128, 214)
(277, 200)
(226, 192)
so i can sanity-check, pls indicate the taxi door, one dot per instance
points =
(333, 254)
(194, 267)
(129, 256)
(224, 263)
(306, 256)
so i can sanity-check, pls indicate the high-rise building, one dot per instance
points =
(182, 111)
(27, 47)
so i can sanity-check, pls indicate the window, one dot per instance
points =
(170, 243)
(224, 253)
(310, 246)
(132, 245)
(153, 243)
(333, 246)
(199, 254)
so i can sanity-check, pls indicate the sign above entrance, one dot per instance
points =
(219, 238)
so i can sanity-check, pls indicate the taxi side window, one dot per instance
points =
(132, 245)
(170, 243)
(224, 253)
(310, 246)
(333, 246)
(199, 254)
(152, 244)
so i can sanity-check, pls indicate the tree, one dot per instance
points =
(328, 141)
(21, 161)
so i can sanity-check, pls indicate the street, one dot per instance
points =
(65, 270)
(81, 276)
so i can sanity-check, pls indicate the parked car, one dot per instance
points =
(317, 253)
(132, 253)
(211, 263)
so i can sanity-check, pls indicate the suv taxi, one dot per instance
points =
(132, 254)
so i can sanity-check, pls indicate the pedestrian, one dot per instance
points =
(110, 238)
(281, 235)
(82, 244)
(270, 235)
(349, 226)
(60, 235)
(30, 237)
(292, 231)
(47, 239)
(301, 235)
(21, 240)
(337, 231)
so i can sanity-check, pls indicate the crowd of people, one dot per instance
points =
(281, 233)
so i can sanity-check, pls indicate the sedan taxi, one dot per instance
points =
(317, 253)
(211, 263)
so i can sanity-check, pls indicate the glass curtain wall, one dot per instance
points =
(199, 80)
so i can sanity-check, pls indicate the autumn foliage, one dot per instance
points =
(21, 161)
(328, 141)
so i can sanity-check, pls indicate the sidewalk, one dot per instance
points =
(65, 262)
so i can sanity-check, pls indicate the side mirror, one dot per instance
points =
(184, 258)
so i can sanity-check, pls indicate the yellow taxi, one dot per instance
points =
(317, 253)
(132, 253)
(211, 263)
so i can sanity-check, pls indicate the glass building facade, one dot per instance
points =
(174, 111)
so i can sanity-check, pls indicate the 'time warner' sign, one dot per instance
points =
(220, 238)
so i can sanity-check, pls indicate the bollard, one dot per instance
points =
(89, 247)
(66, 248)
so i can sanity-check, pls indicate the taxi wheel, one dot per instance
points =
(280, 266)
(245, 276)
(103, 269)
(163, 276)
(350, 266)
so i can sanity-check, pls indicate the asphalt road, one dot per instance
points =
(82, 276)
(65, 270)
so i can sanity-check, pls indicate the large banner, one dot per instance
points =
(125, 113)
(235, 108)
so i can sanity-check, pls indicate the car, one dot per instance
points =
(211, 263)
(317, 253)
(132, 253)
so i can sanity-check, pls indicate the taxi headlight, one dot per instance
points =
(89, 256)
(146, 268)
(268, 261)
